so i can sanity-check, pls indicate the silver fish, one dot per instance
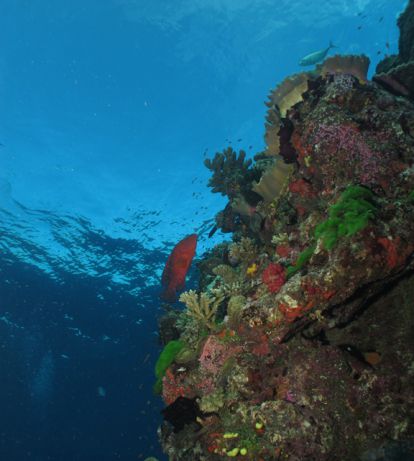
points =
(316, 56)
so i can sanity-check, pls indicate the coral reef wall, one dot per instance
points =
(406, 25)
(396, 72)
(298, 344)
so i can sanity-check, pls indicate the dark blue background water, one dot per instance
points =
(107, 111)
(50, 373)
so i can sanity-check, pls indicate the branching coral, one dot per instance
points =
(244, 251)
(227, 273)
(227, 283)
(232, 173)
(201, 307)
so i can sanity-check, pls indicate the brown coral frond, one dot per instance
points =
(272, 127)
(289, 92)
(274, 180)
(356, 65)
(240, 205)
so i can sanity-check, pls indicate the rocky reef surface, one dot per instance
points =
(299, 343)
(397, 71)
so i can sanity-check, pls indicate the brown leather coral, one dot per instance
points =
(281, 99)
(274, 180)
(356, 65)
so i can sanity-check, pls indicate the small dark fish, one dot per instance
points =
(181, 412)
(379, 52)
(240, 140)
(359, 27)
(381, 18)
(387, 45)
(184, 411)
(212, 232)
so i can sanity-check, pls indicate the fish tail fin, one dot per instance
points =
(169, 295)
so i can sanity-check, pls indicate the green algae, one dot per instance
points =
(303, 258)
(352, 213)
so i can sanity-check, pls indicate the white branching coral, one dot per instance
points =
(201, 307)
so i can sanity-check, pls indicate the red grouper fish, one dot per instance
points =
(176, 268)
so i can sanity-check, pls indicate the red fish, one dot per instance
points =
(176, 268)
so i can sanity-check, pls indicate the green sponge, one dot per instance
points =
(165, 359)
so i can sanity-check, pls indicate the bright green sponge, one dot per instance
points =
(165, 359)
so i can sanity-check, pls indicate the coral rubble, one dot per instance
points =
(299, 342)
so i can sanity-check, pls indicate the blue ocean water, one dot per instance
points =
(108, 110)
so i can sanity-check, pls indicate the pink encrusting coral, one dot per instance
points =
(173, 386)
(396, 250)
(274, 277)
(215, 353)
(390, 246)
(346, 142)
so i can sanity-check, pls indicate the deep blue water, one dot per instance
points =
(64, 339)
(108, 109)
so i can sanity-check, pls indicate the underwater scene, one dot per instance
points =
(207, 230)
